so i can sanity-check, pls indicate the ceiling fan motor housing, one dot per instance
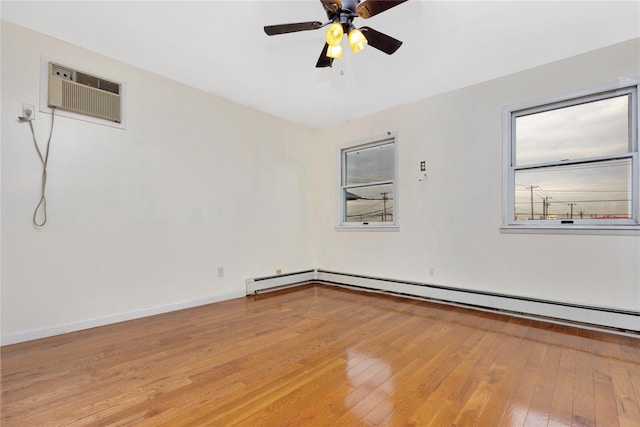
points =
(343, 12)
(350, 5)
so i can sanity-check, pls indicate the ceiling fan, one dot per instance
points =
(341, 14)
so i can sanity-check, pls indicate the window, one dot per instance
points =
(572, 163)
(368, 195)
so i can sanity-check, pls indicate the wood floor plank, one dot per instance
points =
(561, 412)
(626, 399)
(633, 370)
(617, 380)
(584, 395)
(528, 362)
(441, 339)
(481, 406)
(326, 356)
(542, 399)
(502, 390)
(446, 386)
(604, 395)
(487, 372)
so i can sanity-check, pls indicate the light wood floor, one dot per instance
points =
(324, 356)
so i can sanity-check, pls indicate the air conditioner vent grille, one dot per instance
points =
(84, 94)
(87, 80)
(98, 83)
(110, 86)
(83, 99)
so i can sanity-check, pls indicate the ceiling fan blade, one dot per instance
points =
(324, 60)
(331, 6)
(381, 41)
(273, 30)
(369, 8)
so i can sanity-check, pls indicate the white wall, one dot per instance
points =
(451, 221)
(140, 219)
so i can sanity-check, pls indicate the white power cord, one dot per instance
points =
(44, 159)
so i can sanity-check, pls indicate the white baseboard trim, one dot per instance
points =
(50, 331)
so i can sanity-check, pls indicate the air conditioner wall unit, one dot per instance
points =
(82, 93)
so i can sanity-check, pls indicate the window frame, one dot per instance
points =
(341, 223)
(629, 87)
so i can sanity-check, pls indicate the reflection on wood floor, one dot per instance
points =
(320, 355)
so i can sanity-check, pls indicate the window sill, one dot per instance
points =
(360, 227)
(612, 230)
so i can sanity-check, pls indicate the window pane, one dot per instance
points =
(599, 190)
(371, 164)
(369, 204)
(593, 129)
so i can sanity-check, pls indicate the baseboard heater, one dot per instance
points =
(279, 281)
(624, 320)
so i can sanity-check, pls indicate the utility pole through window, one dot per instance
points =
(531, 187)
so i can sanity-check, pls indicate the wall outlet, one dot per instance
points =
(220, 271)
(28, 112)
(423, 166)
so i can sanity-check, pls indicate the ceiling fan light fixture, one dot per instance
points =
(357, 40)
(334, 34)
(334, 52)
(340, 15)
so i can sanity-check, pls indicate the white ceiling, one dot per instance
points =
(220, 46)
